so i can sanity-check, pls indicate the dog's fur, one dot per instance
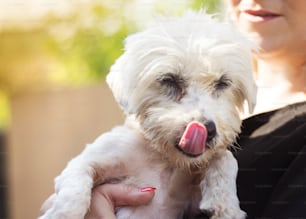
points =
(180, 70)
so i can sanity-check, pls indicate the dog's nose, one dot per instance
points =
(211, 130)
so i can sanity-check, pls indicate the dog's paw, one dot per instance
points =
(53, 214)
(221, 211)
(64, 213)
(60, 216)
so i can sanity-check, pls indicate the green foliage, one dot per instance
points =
(87, 54)
(211, 6)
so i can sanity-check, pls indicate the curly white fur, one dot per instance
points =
(179, 70)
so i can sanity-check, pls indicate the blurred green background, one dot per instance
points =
(54, 55)
(72, 45)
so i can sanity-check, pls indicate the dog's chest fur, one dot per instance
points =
(178, 189)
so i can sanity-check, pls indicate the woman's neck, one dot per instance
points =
(279, 83)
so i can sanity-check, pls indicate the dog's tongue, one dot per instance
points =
(193, 140)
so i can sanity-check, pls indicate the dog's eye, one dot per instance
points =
(172, 86)
(222, 83)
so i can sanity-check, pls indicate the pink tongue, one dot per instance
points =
(193, 140)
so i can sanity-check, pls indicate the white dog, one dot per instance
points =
(182, 83)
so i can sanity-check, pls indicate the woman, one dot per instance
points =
(272, 163)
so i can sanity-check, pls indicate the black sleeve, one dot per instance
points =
(271, 181)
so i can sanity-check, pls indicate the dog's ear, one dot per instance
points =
(238, 60)
(246, 91)
(249, 87)
(117, 81)
(250, 92)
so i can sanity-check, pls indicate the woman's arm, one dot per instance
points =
(106, 198)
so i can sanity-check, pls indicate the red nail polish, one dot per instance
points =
(147, 189)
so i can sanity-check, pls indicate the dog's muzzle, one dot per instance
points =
(196, 135)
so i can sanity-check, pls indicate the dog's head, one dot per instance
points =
(185, 79)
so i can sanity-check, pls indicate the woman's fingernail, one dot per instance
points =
(147, 189)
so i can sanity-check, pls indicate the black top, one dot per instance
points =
(271, 180)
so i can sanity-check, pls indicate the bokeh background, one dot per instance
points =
(54, 56)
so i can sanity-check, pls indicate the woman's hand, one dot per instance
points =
(106, 198)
